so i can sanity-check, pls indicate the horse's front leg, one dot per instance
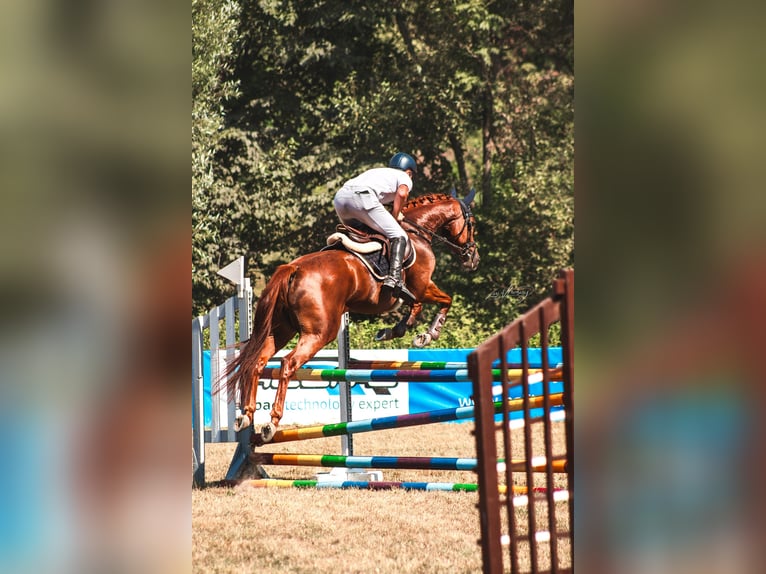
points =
(401, 327)
(434, 295)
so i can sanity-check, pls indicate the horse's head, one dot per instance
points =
(448, 220)
(462, 229)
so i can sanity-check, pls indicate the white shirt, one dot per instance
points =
(382, 181)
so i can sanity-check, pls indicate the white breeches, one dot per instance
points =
(363, 205)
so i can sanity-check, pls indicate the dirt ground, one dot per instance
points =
(291, 530)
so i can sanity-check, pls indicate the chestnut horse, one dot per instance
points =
(310, 294)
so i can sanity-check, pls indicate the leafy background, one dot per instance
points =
(292, 98)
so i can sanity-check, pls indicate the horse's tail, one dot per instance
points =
(242, 368)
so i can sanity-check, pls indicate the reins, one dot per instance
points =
(466, 212)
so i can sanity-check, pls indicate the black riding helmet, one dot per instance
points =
(403, 161)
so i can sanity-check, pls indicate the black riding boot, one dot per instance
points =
(394, 279)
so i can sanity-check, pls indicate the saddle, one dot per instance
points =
(371, 247)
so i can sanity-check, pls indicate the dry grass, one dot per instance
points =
(343, 531)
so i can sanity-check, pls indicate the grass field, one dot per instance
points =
(313, 531)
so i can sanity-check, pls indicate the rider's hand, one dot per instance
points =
(400, 217)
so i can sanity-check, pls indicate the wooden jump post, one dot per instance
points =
(501, 536)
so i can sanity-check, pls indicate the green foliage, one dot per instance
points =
(554, 336)
(482, 94)
(214, 24)
(461, 330)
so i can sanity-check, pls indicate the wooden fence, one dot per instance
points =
(540, 538)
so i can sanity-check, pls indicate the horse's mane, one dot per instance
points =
(426, 199)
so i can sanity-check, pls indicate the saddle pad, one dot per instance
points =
(352, 245)
(375, 261)
(371, 254)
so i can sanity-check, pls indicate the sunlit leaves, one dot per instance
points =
(329, 88)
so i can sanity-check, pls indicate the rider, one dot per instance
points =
(362, 198)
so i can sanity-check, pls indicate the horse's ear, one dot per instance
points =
(469, 198)
(453, 192)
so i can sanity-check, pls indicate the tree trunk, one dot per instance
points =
(486, 149)
(457, 147)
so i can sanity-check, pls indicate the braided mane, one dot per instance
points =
(426, 199)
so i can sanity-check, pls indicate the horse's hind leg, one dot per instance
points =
(272, 344)
(305, 349)
(245, 419)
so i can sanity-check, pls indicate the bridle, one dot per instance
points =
(462, 250)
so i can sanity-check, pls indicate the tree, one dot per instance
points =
(480, 93)
(214, 24)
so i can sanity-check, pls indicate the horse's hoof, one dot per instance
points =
(421, 340)
(256, 439)
(242, 423)
(384, 334)
(267, 432)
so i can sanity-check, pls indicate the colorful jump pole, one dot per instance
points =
(383, 485)
(400, 375)
(401, 421)
(372, 364)
(411, 365)
(360, 484)
(395, 462)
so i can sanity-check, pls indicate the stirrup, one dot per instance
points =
(403, 293)
(389, 282)
(398, 289)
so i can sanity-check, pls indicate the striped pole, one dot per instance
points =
(373, 364)
(432, 365)
(360, 484)
(401, 421)
(398, 375)
(418, 365)
(385, 485)
(395, 462)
